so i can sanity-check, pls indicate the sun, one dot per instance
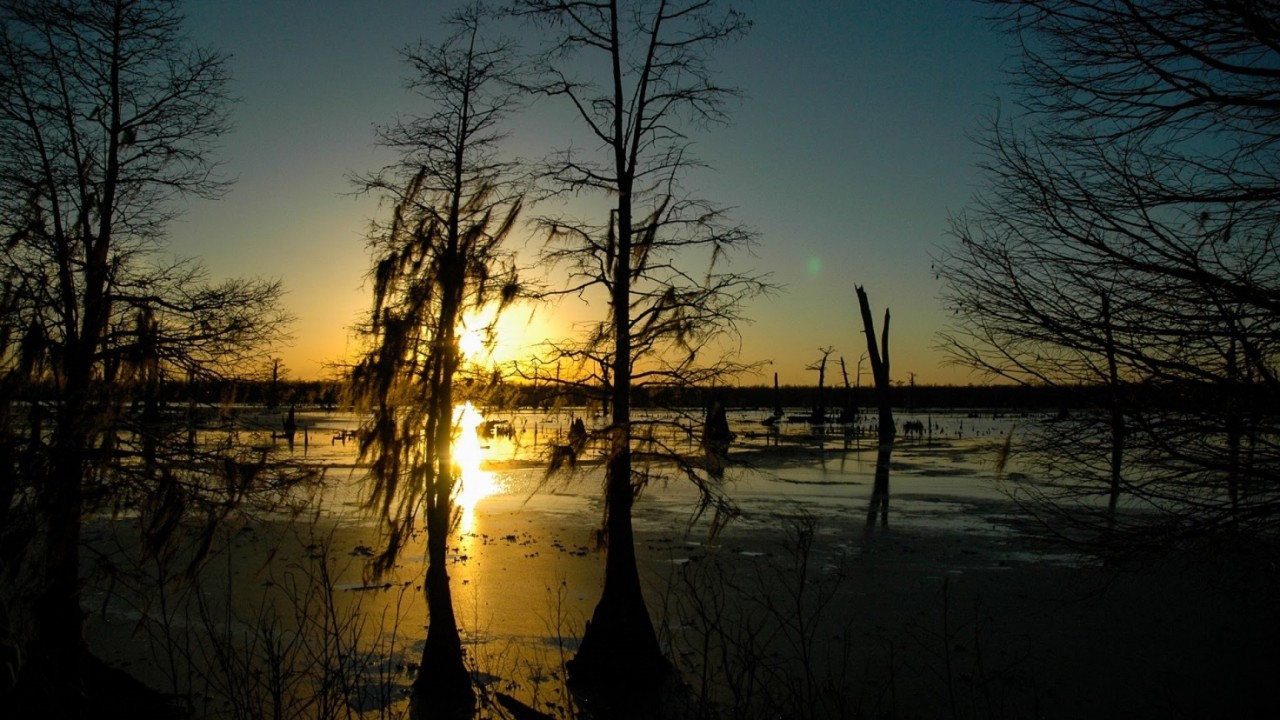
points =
(471, 343)
(486, 337)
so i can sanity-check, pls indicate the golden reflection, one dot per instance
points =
(474, 483)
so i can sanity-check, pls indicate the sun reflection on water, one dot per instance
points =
(474, 484)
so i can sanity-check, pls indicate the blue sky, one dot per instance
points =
(850, 149)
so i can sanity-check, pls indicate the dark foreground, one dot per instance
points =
(818, 602)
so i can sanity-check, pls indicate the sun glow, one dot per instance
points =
(471, 343)
(474, 484)
(488, 340)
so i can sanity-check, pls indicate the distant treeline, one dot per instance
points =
(995, 397)
(331, 394)
(1254, 398)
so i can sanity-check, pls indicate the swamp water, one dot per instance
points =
(819, 598)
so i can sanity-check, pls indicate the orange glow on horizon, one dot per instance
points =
(512, 337)
(519, 333)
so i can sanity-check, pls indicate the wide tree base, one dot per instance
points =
(649, 690)
(619, 670)
(446, 696)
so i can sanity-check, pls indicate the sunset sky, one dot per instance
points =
(850, 149)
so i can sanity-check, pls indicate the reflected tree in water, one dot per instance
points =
(878, 508)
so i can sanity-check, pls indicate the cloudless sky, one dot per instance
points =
(850, 149)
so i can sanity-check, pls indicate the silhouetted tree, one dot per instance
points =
(887, 430)
(638, 77)
(1126, 238)
(278, 371)
(439, 257)
(848, 410)
(107, 119)
(878, 354)
(819, 414)
(716, 439)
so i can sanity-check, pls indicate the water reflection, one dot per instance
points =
(879, 506)
(474, 484)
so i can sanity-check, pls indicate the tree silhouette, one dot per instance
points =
(439, 257)
(637, 76)
(878, 354)
(108, 120)
(819, 414)
(1125, 238)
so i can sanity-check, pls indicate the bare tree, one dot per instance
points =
(848, 408)
(886, 429)
(879, 357)
(638, 77)
(439, 257)
(1126, 240)
(819, 414)
(108, 118)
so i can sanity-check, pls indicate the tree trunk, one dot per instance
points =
(1116, 411)
(879, 356)
(59, 620)
(619, 647)
(777, 398)
(820, 407)
(1234, 426)
(443, 686)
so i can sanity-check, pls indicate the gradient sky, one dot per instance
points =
(852, 146)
